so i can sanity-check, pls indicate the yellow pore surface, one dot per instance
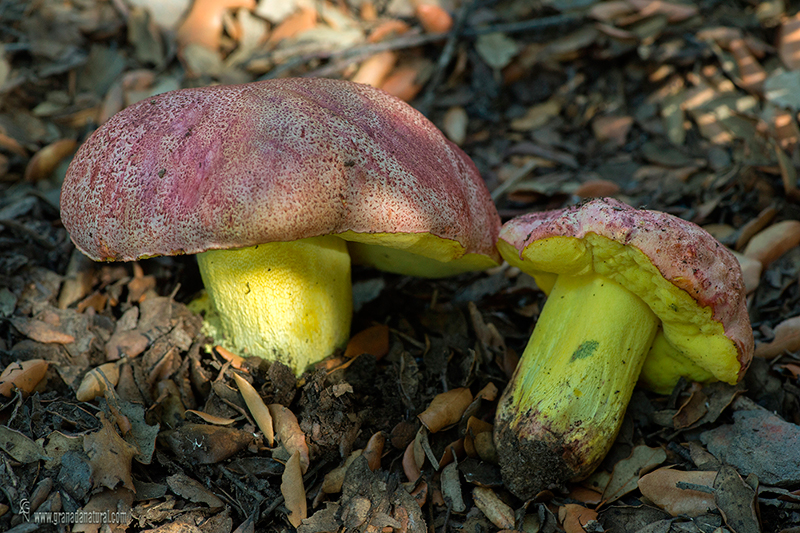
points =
(413, 254)
(285, 301)
(693, 343)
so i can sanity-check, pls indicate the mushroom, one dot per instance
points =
(267, 182)
(632, 295)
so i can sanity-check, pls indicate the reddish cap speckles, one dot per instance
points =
(234, 166)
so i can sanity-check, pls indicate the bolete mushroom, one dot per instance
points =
(267, 182)
(632, 295)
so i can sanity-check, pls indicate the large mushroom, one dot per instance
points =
(267, 182)
(632, 295)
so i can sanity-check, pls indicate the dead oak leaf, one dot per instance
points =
(110, 456)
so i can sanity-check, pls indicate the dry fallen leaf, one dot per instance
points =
(45, 161)
(23, 375)
(434, 19)
(20, 447)
(302, 20)
(574, 517)
(257, 408)
(495, 509)
(787, 339)
(789, 42)
(768, 245)
(203, 25)
(289, 433)
(41, 331)
(373, 340)
(626, 472)
(612, 128)
(445, 409)
(110, 456)
(293, 491)
(403, 82)
(97, 381)
(374, 70)
(374, 450)
(413, 459)
(679, 492)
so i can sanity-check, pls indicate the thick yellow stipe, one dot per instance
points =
(581, 365)
(565, 404)
(286, 301)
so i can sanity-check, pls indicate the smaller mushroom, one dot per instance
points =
(632, 295)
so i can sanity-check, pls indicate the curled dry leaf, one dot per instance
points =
(612, 128)
(374, 70)
(787, 339)
(454, 124)
(495, 509)
(488, 392)
(413, 458)
(475, 427)
(679, 492)
(257, 408)
(433, 18)
(211, 419)
(768, 245)
(203, 25)
(374, 450)
(751, 271)
(45, 161)
(446, 409)
(574, 517)
(97, 381)
(373, 340)
(403, 82)
(302, 20)
(289, 433)
(236, 361)
(293, 491)
(789, 42)
(23, 375)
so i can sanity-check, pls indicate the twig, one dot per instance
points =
(340, 59)
(444, 58)
(515, 178)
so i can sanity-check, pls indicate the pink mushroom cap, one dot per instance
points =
(235, 166)
(684, 254)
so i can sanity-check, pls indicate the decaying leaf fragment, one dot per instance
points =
(626, 473)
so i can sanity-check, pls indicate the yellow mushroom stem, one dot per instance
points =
(283, 301)
(564, 406)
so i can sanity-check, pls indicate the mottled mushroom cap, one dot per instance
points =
(235, 166)
(692, 282)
